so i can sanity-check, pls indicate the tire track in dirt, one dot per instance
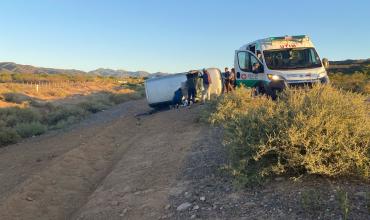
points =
(140, 184)
(20, 161)
(112, 168)
(56, 190)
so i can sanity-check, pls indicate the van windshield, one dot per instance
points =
(293, 58)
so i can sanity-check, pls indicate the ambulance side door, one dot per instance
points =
(248, 68)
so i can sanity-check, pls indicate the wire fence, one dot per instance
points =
(43, 85)
(38, 85)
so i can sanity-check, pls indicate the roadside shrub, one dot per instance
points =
(118, 98)
(121, 98)
(95, 106)
(61, 113)
(8, 136)
(317, 131)
(72, 119)
(15, 115)
(26, 130)
(17, 98)
(133, 86)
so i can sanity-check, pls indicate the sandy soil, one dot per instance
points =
(120, 163)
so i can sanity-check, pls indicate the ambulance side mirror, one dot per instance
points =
(325, 62)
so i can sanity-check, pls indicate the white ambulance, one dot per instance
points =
(271, 64)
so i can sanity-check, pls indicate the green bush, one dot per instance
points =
(121, 98)
(318, 131)
(8, 136)
(66, 122)
(26, 130)
(61, 113)
(15, 115)
(16, 98)
(118, 98)
(95, 106)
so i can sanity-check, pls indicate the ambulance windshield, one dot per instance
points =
(292, 58)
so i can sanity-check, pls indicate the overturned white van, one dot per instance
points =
(160, 90)
(271, 64)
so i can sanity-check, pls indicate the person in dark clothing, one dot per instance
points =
(177, 98)
(233, 78)
(206, 83)
(191, 83)
(227, 85)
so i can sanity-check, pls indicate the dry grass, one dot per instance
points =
(321, 131)
(356, 82)
(54, 91)
(26, 112)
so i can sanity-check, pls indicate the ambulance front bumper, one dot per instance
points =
(322, 80)
(282, 83)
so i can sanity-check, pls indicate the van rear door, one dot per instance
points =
(247, 72)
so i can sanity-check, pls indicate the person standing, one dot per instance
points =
(191, 84)
(227, 84)
(233, 79)
(207, 81)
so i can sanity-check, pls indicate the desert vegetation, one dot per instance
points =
(317, 139)
(31, 104)
(357, 82)
(322, 131)
(351, 75)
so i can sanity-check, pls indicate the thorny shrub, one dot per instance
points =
(320, 130)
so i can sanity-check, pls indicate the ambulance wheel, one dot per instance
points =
(273, 93)
(256, 91)
(259, 89)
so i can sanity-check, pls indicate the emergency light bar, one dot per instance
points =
(297, 37)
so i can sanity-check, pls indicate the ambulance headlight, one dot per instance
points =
(273, 77)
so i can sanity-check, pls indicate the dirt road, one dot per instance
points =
(115, 165)
(126, 164)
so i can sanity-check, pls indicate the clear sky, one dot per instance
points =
(171, 35)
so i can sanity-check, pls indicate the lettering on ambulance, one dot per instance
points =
(252, 76)
(287, 45)
(249, 76)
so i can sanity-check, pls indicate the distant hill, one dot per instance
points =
(350, 66)
(10, 67)
(345, 66)
(119, 73)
